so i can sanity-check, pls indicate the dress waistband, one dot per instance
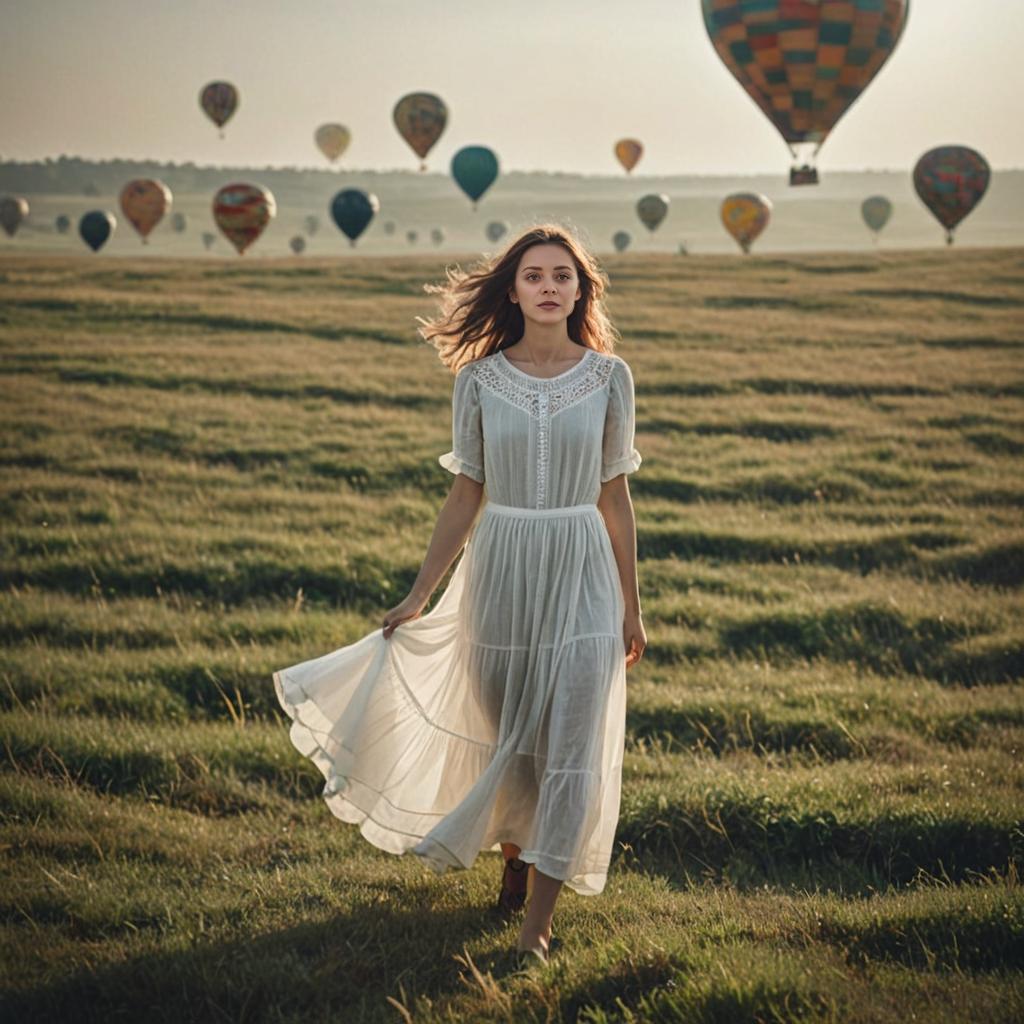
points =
(540, 513)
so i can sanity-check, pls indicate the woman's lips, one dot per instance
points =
(546, 305)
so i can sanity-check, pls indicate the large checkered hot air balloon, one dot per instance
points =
(804, 62)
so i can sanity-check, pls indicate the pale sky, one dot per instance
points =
(548, 86)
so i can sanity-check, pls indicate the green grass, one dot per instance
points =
(210, 472)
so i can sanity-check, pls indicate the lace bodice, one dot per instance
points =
(543, 442)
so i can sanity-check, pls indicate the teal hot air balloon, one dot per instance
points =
(621, 240)
(352, 210)
(96, 227)
(497, 229)
(651, 210)
(475, 169)
(876, 211)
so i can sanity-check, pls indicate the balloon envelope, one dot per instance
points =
(497, 229)
(96, 227)
(745, 215)
(876, 211)
(62, 223)
(651, 210)
(389, 227)
(13, 210)
(219, 100)
(179, 222)
(621, 240)
(144, 202)
(297, 244)
(804, 62)
(437, 235)
(352, 210)
(420, 118)
(208, 238)
(628, 152)
(951, 181)
(333, 140)
(242, 211)
(474, 169)
(411, 236)
(312, 224)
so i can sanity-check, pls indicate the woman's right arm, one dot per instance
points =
(454, 522)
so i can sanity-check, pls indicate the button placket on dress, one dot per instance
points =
(543, 441)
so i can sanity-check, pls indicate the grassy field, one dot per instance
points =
(212, 471)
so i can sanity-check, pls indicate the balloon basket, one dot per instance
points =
(805, 175)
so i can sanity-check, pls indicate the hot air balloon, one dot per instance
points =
(144, 202)
(651, 209)
(745, 215)
(352, 210)
(208, 238)
(437, 235)
(62, 223)
(474, 169)
(312, 224)
(621, 240)
(420, 118)
(389, 227)
(951, 181)
(96, 227)
(220, 101)
(333, 140)
(242, 212)
(804, 62)
(297, 244)
(876, 211)
(411, 236)
(13, 210)
(628, 153)
(179, 222)
(497, 229)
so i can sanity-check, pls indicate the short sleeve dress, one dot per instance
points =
(499, 715)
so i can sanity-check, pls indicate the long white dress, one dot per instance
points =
(499, 715)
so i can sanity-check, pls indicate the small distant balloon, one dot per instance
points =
(876, 211)
(389, 227)
(333, 140)
(628, 153)
(208, 238)
(497, 229)
(96, 227)
(220, 101)
(311, 224)
(951, 181)
(420, 118)
(411, 236)
(297, 244)
(144, 202)
(745, 215)
(651, 210)
(475, 169)
(621, 240)
(437, 235)
(13, 211)
(242, 212)
(352, 210)
(179, 222)
(62, 223)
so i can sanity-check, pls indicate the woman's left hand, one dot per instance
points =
(635, 637)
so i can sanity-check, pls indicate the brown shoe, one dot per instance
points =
(512, 899)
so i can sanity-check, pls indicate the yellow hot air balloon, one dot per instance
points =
(420, 117)
(745, 215)
(333, 140)
(144, 202)
(628, 153)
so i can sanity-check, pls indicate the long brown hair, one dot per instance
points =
(478, 318)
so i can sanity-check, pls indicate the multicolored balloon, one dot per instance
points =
(220, 101)
(144, 202)
(297, 244)
(96, 227)
(352, 210)
(242, 212)
(475, 169)
(179, 222)
(628, 153)
(745, 215)
(652, 209)
(497, 229)
(420, 118)
(62, 223)
(804, 62)
(876, 211)
(621, 240)
(13, 210)
(333, 140)
(951, 181)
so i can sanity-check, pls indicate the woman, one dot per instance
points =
(498, 717)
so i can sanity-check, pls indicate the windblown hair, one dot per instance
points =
(477, 317)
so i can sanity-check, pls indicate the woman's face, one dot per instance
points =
(547, 284)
